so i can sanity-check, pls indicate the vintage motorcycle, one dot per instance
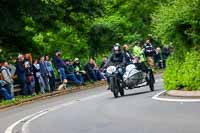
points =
(130, 79)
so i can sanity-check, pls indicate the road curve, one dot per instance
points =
(96, 111)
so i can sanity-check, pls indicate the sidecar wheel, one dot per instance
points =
(121, 91)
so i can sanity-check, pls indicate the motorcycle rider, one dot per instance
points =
(116, 59)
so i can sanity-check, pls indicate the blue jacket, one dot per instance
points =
(58, 62)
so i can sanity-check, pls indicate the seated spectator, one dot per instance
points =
(5, 93)
(70, 73)
(51, 74)
(79, 72)
(39, 82)
(92, 69)
(7, 77)
(105, 59)
(102, 69)
(60, 65)
(20, 71)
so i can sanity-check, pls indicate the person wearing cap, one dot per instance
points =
(70, 73)
(79, 72)
(60, 65)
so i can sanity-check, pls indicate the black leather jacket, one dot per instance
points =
(116, 60)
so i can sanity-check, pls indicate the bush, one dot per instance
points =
(183, 74)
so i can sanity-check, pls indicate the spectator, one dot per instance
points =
(105, 59)
(4, 91)
(51, 74)
(60, 65)
(127, 55)
(70, 73)
(44, 73)
(138, 53)
(39, 82)
(7, 78)
(93, 71)
(149, 53)
(165, 55)
(20, 71)
(30, 81)
(80, 74)
(28, 58)
(158, 58)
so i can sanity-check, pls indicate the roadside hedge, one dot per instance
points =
(183, 73)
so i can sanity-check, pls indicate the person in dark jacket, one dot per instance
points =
(20, 71)
(30, 81)
(149, 53)
(70, 73)
(92, 69)
(127, 55)
(60, 65)
(117, 58)
(165, 55)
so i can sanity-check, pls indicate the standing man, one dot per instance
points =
(60, 65)
(149, 53)
(20, 70)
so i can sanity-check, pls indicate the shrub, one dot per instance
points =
(183, 74)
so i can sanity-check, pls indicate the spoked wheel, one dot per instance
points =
(114, 87)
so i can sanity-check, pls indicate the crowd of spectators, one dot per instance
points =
(37, 76)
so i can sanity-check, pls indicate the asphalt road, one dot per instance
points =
(96, 111)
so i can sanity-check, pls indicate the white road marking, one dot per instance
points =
(156, 97)
(28, 119)
(41, 113)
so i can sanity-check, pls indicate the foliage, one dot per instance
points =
(178, 22)
(89, 27)
(183, 74)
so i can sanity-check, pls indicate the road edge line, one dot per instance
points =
(156, 97)
(41, 113)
